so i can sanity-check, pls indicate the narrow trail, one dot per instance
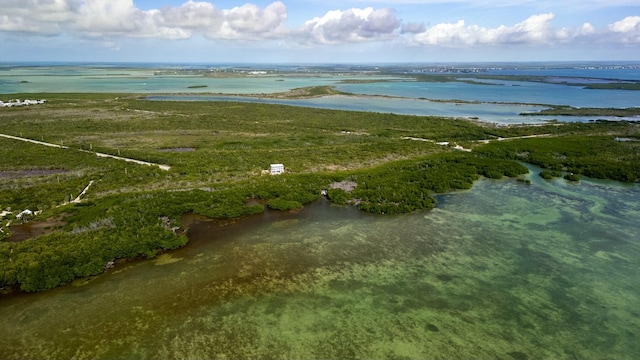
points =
(515, 138)
(78, 198)
(458, 147)
(139, 162)
(33, 141)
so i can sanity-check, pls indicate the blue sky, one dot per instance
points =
(314, 31)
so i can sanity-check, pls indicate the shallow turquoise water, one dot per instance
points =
(501, 91)
(486, 112)
(409, 95)
(503, 271)
(32, 80)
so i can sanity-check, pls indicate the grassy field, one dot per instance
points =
(571, 111)
(218, 151)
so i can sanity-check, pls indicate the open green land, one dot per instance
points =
(216, 153)
(586, 111)
(477, 79)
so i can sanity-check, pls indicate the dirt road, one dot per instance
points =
(140, 162)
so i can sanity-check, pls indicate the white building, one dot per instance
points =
(276, 169)
(18, 102)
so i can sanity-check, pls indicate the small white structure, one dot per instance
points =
(25, 215)
(276, 169)
(18, 102)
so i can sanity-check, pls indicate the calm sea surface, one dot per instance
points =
(503, 271)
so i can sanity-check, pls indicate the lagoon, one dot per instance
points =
(157, 80)
(496, 101)
(522, 92)
(503, 114)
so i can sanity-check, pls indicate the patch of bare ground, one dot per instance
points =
(395, 157)
(29, 230)
(334, 168)
(247, 134)
(50, 114)
(16, 174)
(178, 150)
(373, 162)
(360, 133)
(166, 223)
(345, 185)
(95, 225)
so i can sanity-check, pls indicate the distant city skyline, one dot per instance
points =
(313, 31)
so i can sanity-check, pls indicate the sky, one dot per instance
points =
(315, 31)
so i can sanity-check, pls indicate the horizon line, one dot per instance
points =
(301, 63)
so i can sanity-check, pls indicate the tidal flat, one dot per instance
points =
(502, 271)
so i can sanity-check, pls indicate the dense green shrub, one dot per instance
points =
(409, 185)
(548, 175)
(282, 204)
(572, 177)
(595, 156)
(338, 196)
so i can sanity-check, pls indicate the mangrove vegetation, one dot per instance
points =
(217, 154)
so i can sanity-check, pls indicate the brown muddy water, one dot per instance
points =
(28, 230)
(503, 271)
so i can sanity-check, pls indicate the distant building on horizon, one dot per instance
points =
(18, 102)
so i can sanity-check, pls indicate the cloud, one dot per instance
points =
(627, 30)
(353, 25)
(535, 30)
(110, 20)
(249, 22)
(588, 4)
(45, 17)
(413, 28)
(193, 15)
(118, 18)
(121, 17)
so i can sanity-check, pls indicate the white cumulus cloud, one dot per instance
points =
(535, 30)
(193, 15)
(627, 30)
(413, 28)
(249, 22)
(46, 17)
(106, 18)
(110, 20)
(122, 18)
(353, 25)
